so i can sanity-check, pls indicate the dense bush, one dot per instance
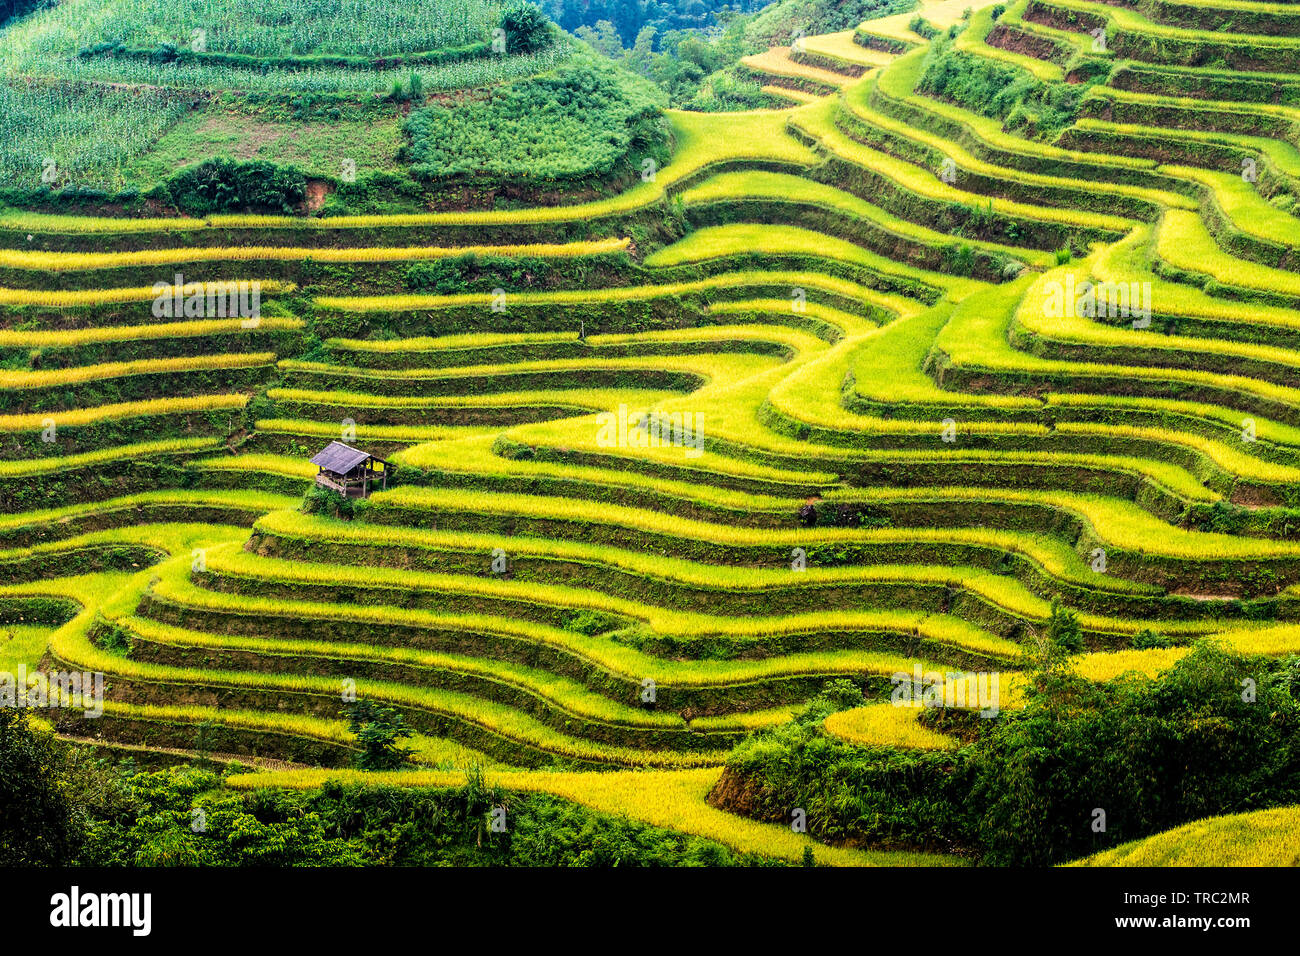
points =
(470, 272)
(585, 119)
(1063, 628)
(327, 502)
(991, 88)
(886, 795)
(845, 514)
(183, 817)
(725, 92)
(526, 28)
(1146, 639)
(39, 823)
(1218, 733)
(374, 194)
(441, 276)
(921, 27)
(224, 185)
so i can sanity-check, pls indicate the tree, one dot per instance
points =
(603, 38)
(39, 824)
(227, 185)
(527, 29)
(378, 728)
(1148, 754)
(1063, 628)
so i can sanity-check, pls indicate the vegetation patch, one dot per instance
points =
(580, 124)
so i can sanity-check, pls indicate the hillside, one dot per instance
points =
(990, 328)
(113, 103)
(1263, 838)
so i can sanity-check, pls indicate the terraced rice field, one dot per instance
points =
(891, 438)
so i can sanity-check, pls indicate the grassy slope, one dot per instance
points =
(779, 435)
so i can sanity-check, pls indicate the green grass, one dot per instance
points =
(48, 42)
(274, 27)
(318, 148)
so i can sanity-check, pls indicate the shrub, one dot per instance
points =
(328, 502)
(1063, 629)
(835, 695)
(922, 27)
(378, 728)
(1226, 518)
(586, 118)
(849, 514)
(725, 92)
(1147, 639)
(590, 622)
(441, 276)
(224, 185)
(1022, 101)
(1025, 792)
(881, 795)
(527, 29)
(1079, 747)
(39, 825)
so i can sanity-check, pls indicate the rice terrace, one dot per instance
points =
(824, 433)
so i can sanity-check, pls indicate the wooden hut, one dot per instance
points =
(350, 471)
